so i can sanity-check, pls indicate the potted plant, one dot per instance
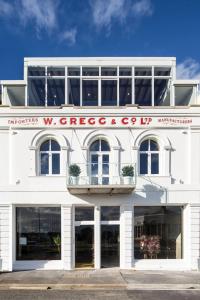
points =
(57, 242)
(128, 173)
(74, 172)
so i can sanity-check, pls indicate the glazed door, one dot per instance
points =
(84, 246)
(99, 169)
(110, 246)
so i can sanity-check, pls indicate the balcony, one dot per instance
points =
(105, 178)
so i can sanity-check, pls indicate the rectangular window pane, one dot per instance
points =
(44, 163)
(110, 213)
(55, 71)
(162, 71)
(73, 71)
(107, 71)
(55, 92)
(154, 163)
(125, 71)
(38, 233)
(183, 95)
(143, 92)
(55, 163)
(142, 71)
(36, 92)
(90, 92)
(108, 92)
(125, 91)
(74, 91)
(158, 232)
(143, 163)
(36, 71)
(161, 92)
(84, 213)
(90, 71)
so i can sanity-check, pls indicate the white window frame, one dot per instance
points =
(49, 153)
(100, 154)
(149, 162)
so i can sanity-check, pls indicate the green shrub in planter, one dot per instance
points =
(128, 171)
(74, 170)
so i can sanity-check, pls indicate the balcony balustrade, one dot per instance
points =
(101, 178)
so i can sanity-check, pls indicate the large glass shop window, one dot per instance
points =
(38, 233)
(158, 232)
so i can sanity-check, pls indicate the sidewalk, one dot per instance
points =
(106, 279)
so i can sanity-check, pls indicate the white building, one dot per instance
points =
(97, 116)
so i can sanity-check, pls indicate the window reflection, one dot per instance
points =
(125, 91)
(84, 213)
(36, 92)
(74, 91)
(149, 157)
(107, 71)
(109, 92)
(143, 92)
(90, 92)
(55, 71)
(73, 71)
(49, 158)
(158, 232)
(38, 233)
(110, 213)
(90, 71)
(55, 92)
(46, 86)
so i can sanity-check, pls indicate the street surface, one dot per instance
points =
(97, 295)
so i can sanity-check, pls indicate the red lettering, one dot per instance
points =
(48, 121)
(102, 121)
(82, 121)
(124, 121)
(63, 121)
(133, 120)
(91, 121)
(73, 121)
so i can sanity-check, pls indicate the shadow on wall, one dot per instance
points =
(151, 193)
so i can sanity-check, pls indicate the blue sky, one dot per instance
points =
(42, 28)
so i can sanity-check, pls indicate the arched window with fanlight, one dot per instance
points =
(49, 158)
(149, 157)
(99, 157)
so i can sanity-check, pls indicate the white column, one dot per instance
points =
(114, 166)
(97, 238)
(5, 238)
(127, 235)
(67, 237)
(33, 161)
(64, 160)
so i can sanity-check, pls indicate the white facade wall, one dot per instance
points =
(5, 237)
(178, 182)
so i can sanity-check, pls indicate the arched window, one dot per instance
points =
(149, 157)
(99, 153)
(49, 158)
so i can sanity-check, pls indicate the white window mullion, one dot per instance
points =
(133, 85)
(152, 87)
(50, 163)
(66, 87)
(46, 86)
(81, 89)
(118, 86)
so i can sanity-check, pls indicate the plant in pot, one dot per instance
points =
(128, 173)
(74, 172)
(57, 242)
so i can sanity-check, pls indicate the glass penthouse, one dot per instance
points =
(99, 165)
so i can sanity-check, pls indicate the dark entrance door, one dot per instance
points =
(110, 246)
(84, 246)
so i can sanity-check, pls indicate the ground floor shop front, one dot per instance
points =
(99, 236)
